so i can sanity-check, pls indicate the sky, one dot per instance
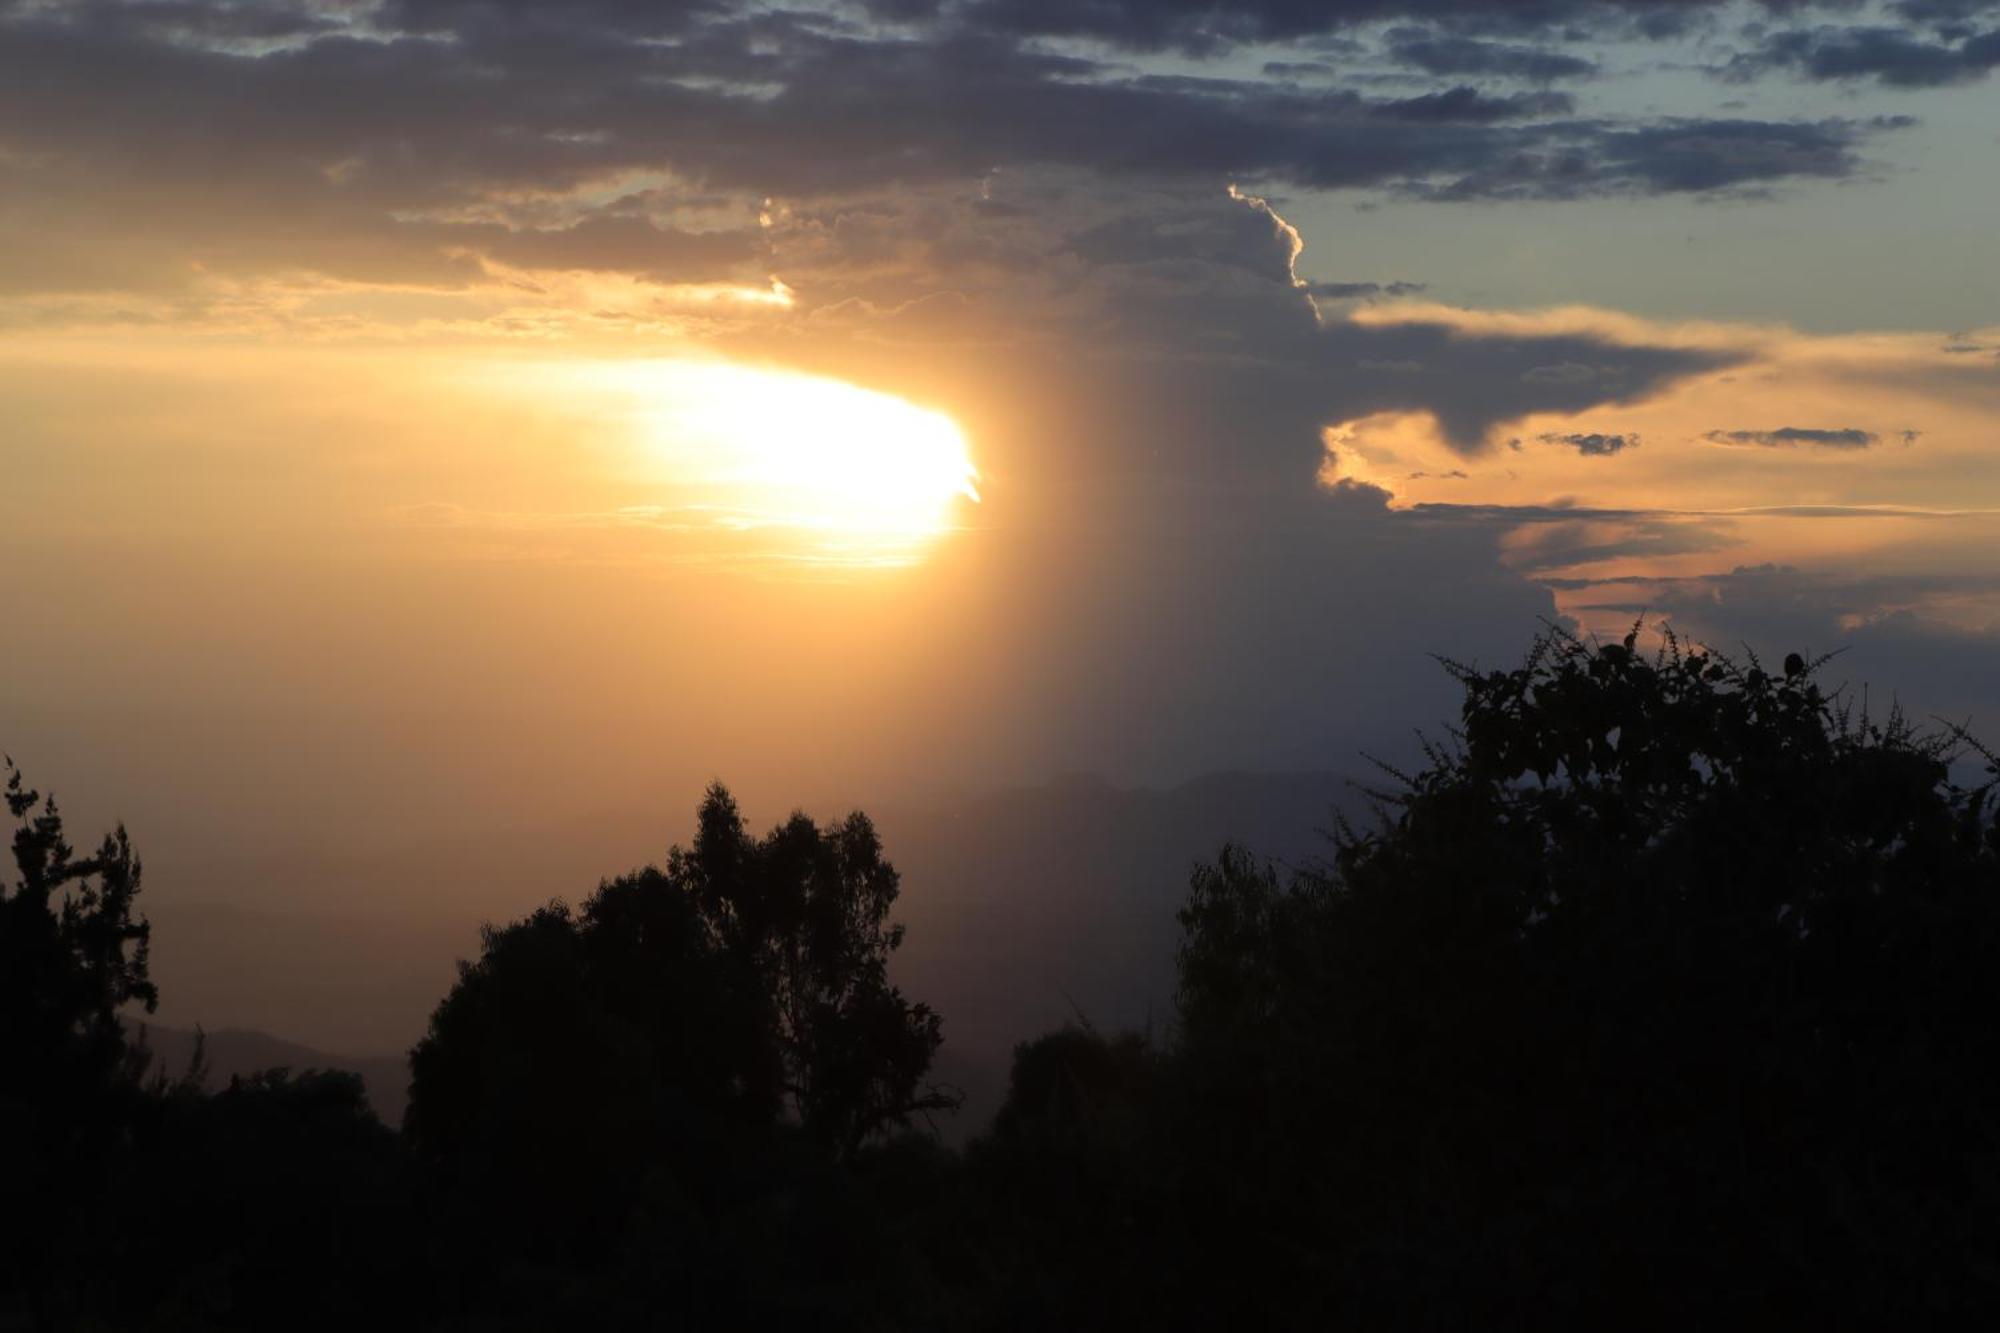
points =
(437, 418)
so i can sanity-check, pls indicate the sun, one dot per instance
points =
(787, 465)
(818, 452)
(824, 469)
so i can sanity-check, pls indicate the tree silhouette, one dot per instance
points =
(805, 911)
(144, 1203)
(1071, 1202)
(72, 954)
(278, 1200)
(1667, 984)
(682, 1058)
(1662, 994)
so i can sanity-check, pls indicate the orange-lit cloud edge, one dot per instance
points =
(1809, 450)
(1816, 452)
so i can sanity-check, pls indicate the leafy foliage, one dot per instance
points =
(1069, 1200)
(688, 1057)
(1662, 994)
(278, 1200)
(72, 955)
(747, 981)
(804, 911)
(1668, 980)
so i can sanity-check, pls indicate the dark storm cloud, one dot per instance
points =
(1239, 238)
(1564, 372)
(349, 121)
(1546, 538)
(1170, 408)
(1894, 57)
(1594, 445)
(1202, 281)
(1570, 545)
(1792, 437)
(1163, 380)
(1682, 156)
(1273, 353)
(1471, 384)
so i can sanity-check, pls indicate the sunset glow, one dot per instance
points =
(812, 452)
(439, 439)
(827, 471)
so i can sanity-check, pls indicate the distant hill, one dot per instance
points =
(232, 1052)
(1026, 908)
(1042, 905)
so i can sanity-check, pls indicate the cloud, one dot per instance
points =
(371, 144)
(1943, 13)
(1128, 342)
(1465, 104)
(1565, 372)
(1895, 648)
(1468, 380)
(1792, 437)
(1965, 344)
(1561, 512)
(1249, 238)
(1593, 444)
(1161, 406)
(1890, 56)
(1675, 156)
(1553, 512)
(1035, 236)
(1200, 26)
(1356, 291)
(1571, 545)
(1443, 54)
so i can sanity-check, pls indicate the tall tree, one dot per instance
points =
(1668, 983)
(73, 955)
(741, 989)
(805, 910)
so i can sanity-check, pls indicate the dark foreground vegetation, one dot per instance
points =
(1665, 994)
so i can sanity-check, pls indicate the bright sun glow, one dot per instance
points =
(855, 476)
(817, 452)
